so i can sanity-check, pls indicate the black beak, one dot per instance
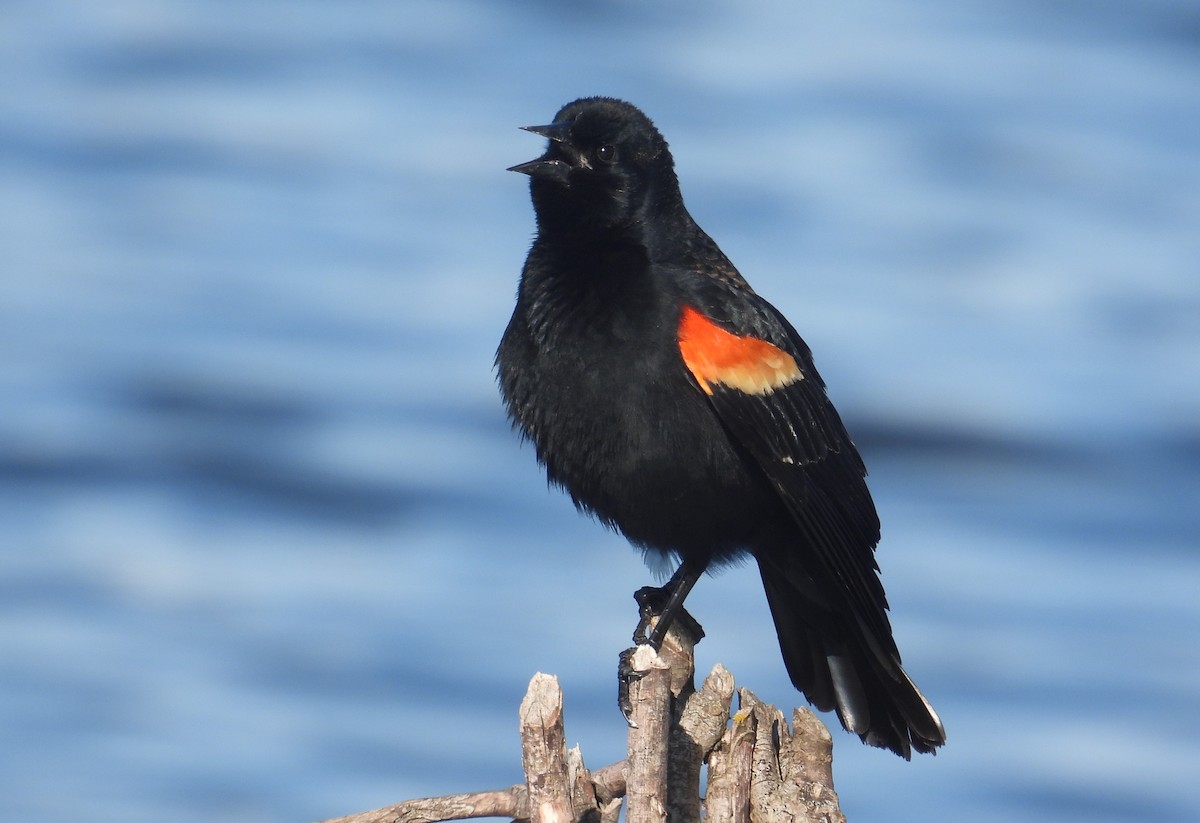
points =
(550, 169)
(555, 170)
(555, 131)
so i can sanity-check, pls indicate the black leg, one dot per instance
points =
(666, 604)
(676, 591)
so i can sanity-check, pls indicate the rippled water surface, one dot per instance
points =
(270, 551)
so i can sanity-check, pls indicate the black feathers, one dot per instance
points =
(681, 408)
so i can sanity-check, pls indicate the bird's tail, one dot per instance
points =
(848, 669)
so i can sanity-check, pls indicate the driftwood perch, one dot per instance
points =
(758, 768)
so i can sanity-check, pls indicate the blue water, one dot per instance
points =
(270, 551)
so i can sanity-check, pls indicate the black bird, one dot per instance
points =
(682, 409)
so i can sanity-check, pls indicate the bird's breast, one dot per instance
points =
(619, 423)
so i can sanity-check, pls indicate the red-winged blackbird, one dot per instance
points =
(679, 407)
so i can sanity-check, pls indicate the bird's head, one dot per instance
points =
(605, 165)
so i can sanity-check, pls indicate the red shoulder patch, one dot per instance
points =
(747, 364)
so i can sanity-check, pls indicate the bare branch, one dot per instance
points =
(700, 724)
(650, 694)
(728, 799)
(511, 802)
(782, 789)
(544, 752)
(758, 769)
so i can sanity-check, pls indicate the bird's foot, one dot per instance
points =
(653, 604)
(659, 616)
(650, 602)
(626, 676)
(649, 605)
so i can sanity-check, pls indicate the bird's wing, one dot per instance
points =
(759, 378)
(762, 382)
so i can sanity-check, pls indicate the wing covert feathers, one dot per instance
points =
(714, 355)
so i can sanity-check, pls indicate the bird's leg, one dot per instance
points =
(665, 604)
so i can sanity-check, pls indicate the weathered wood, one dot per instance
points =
(650, 695)
(609, 781)
(807, 762)
(700, 722)
(608, 784)
(684, 759)
(728, 798)
(781, 786)
(586, 794)
(511, 802)
(544, 752)
(759, 770)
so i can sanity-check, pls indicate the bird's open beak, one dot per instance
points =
(555, 170)
(547, 168)
(555, 131)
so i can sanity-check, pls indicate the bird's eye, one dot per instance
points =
(606, 153)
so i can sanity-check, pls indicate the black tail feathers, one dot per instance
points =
(851, 672)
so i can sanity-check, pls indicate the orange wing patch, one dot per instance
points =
(747, 364)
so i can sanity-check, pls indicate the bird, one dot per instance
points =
(683, 410)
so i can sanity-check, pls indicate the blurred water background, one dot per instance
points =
(270, 551)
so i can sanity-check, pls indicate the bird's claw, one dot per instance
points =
(626, 676)
(649, 599)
